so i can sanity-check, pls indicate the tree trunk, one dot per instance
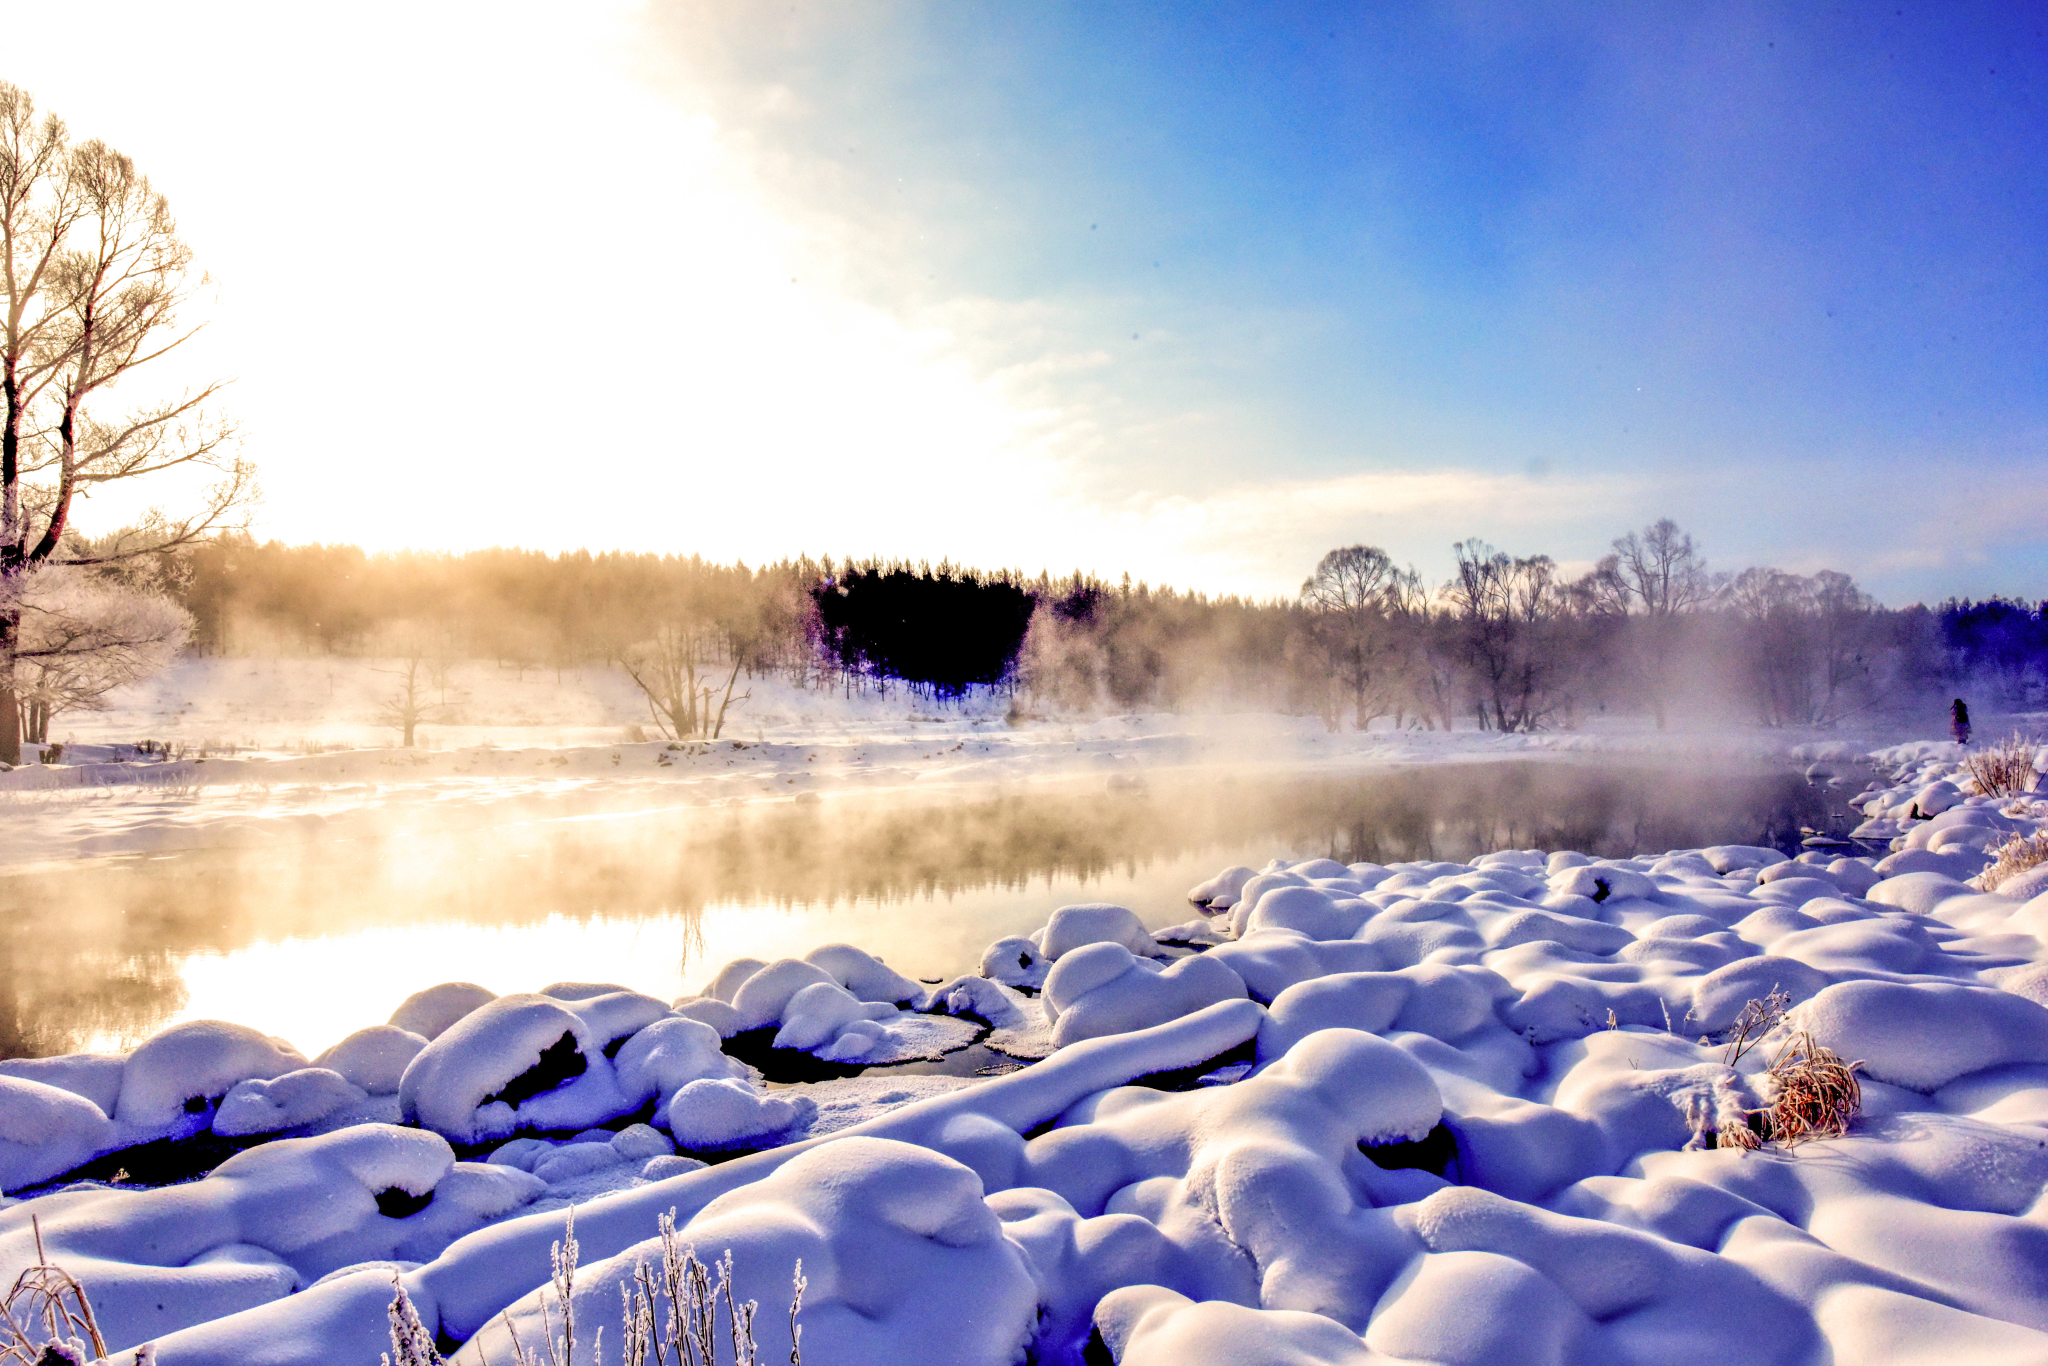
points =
(10, 704)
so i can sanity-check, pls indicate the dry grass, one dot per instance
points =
(2005, 769)
(1812, 1090)
(687, 1334)
(51, 1297)
(2012, 858)
(1757, 1019)
(1816, 1093)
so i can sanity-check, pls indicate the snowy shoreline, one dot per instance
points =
(1435, 1105)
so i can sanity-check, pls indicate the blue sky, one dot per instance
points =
(1775, 270)
(1194, 291)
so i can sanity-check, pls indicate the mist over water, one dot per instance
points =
(312, 941)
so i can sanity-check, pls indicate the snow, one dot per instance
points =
(45, 1131)
(173, 1081)
(292, 1101)
(1442, 1112)
(265, 1223)
(668, 1055)
(521, 1061)
(375, 1058)
(1073, 927)
(429, 1013)
(711, 1116)
(1102, 988)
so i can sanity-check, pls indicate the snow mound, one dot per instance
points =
(519, 1062)
(94, 1076)
(174, 1080)
(1015, 962)
(1150, 1325)
(45, 1131)
(667, 1056)
(429, 1013)
(265, 1223)
(1073, 927)
(709, 1116)
(1924, 1035)
(867, 977)
(1102, 988)
(904, 1262)
(765, 993)
(291, 1101)
(815, 1015)
(374, 1058)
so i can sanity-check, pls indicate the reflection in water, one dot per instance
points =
(312, 940)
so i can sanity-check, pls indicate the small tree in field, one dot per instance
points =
(92, 278)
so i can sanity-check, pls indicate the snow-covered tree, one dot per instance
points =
(92, 280)
(82, 635)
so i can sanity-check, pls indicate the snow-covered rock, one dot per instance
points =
(866, 976)
(94, 1076)
(667, 1056)
(265, 1223)
(1073, 927)
(428, 1013)
(374, 1058)
(260, 1106)
(815, 1015)
(174, 1080)
(714, 1115)
(1102, 988)
(520, 1062)
(904, 1260)
(1015, 962)
(45, 1131)
(1924, 1035)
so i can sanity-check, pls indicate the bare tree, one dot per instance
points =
(83, 635)
(1805, 645)
(406, 708)
(92, 279)
(1349, 601)
(673, 670)
(1657, 579)
(1504, 608)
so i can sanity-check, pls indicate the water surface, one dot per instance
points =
(309, 941)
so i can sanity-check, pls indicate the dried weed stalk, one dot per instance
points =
(687, 1335)
(2005, 769)
(1757, 1019)
(2012, 858)
(1815, 1093)
(51, 1296)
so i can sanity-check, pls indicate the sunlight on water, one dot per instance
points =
(312, 992)
(313, 940)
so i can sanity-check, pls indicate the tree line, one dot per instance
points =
(1507, 642)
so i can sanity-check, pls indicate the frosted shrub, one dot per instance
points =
(688, 1333)
(1814, 1093)
(2005, 769)
(2012, 858)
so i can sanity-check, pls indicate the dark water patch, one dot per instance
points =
(559, 1061)
(394, 1203)
(785, 1066)
(1433, 1152)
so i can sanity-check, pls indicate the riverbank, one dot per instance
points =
(1434, 1105)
